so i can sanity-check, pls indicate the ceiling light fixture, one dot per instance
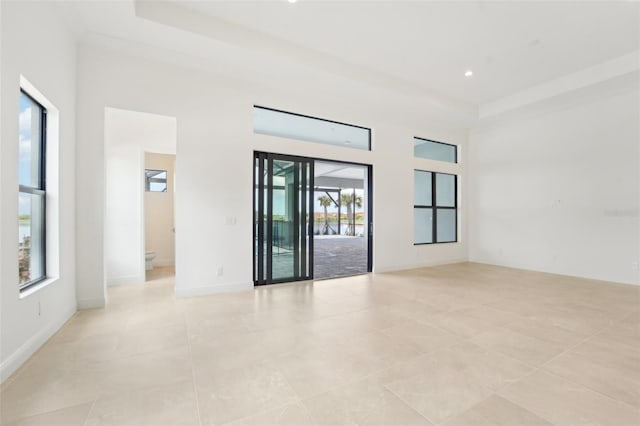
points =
(469, 73)
(292, 1)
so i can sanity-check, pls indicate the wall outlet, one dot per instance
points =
(635, 265)
(230, 220)
(219, 271)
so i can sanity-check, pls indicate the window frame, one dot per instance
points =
(40, 191)
(455, 150)
(434, 207)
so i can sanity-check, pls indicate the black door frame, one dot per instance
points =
(258, 225)
(263, 273)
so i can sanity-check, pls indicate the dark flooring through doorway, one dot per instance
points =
(339, 256)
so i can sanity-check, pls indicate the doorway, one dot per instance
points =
(312, 218)
(341, 231)
(140, 155)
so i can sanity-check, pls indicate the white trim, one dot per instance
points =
(127, 279)
(405, 266)
(91, 303)
(586, 77)
(24, 352)
(37, 287)
(554, 272)
(213, 289)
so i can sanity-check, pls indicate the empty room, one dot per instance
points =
(308, 212)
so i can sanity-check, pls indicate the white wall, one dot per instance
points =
(124, 260)
(158, 212)
(215, 159)
(557, 189)
(127, 135)
(36, 45)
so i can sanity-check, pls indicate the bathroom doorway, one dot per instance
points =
(137, 221)
(159, 222)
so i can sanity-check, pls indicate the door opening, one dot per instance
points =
(341, 231)
(312, 218)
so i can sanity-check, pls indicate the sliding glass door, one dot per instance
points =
(283, 217)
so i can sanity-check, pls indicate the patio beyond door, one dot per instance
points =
(283, 216)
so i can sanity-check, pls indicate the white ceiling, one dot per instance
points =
(417, 49)
(339, 170)
(509, 45)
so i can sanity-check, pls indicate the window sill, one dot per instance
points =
(37, 287)
(440, 242)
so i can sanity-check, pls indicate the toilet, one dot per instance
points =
(148, 260)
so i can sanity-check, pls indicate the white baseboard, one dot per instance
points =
(91, 303)
(24, 352)
(125, 280)
(556, 272)
(417, 265)
(212, 289)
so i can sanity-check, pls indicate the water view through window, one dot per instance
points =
(31, 196)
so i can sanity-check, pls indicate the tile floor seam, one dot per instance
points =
(517, 405)
(551, 373)
(409, 406)
(284, 376)
(482, 385)
(193, 378)
(453, 416)
(541, 370)
(342, 384)
(306, 407)
(353, 381)
(570, 348)
(259, 412)
(86, 420)
(536, 412)
(489, 350)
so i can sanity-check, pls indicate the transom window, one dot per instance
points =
(432, 150)
(435, 208)
(273, 122)
(31, 191)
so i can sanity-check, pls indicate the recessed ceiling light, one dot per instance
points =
(469, 73)
(292, 1)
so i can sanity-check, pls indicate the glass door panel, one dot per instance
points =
(282, 211)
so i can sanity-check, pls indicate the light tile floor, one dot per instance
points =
(456, 345)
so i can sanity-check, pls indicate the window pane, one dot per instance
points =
(156, 180)
(434, 150)
(29, 142)
(446, 227)
(422, 188)
(30, 237)
(293, 126)
(422, 226)
(445, 190)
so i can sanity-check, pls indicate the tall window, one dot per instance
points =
(31, 195)
(434, 208)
